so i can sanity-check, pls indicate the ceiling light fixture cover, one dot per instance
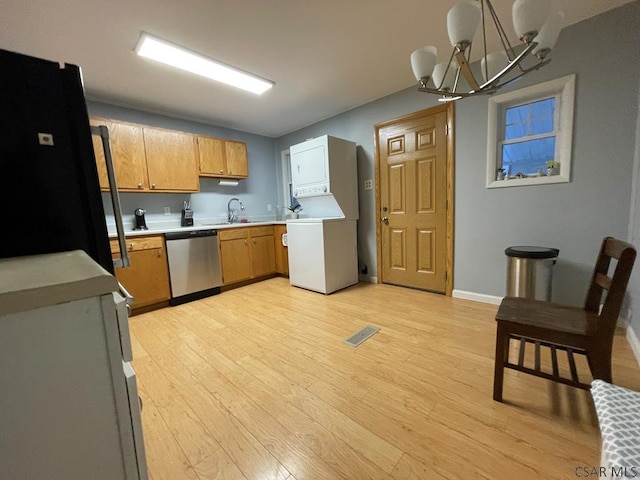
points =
(162, 51)
(537, 24)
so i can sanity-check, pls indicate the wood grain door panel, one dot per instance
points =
(235, 260)
(263, 259)
(128, 154)
(236, 157)
(413, 165)
(172, 160)
(211, 155)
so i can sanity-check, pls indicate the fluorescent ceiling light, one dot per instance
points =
(161, 51)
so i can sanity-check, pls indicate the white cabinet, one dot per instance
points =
(69, 407)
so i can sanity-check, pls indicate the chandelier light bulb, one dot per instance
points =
(439, 79)
(494, 62)
(462, 22)
(549, 33)
(529, 16)
(423, 60)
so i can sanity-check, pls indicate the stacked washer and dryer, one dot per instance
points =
(323, 246)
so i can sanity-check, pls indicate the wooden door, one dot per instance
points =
(127, 152)
(415, 185)
(211, 152)
(234, 257)
(236, 158)
(172, 160)
(263, 257)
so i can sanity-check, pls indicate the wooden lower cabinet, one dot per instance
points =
(281, 252)
(147, 279)
(246, 253)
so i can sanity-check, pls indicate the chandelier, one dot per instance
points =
(537, 25)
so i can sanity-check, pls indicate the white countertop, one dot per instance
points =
(160, 229)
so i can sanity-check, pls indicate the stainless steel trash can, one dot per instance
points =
(530, 271)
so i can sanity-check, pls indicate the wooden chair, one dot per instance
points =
(584, 330)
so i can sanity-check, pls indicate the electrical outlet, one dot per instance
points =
(167, 210)
(269, 207)
(368, 184)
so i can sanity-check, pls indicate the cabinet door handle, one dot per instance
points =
(140, 185)
(254, 241)
(153, 185)
(230, 172)
(245, 242)
(221, 170)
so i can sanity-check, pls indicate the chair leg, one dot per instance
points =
(502, 350)
(600, 364)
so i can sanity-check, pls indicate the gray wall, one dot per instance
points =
(256, 192)
(603, 52)
(634, 233)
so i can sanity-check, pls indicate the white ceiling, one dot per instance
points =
(325, 56)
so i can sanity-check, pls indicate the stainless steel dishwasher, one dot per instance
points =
(194, 265)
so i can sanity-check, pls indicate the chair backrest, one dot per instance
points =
(615, 285)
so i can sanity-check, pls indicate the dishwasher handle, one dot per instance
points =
(190, 234)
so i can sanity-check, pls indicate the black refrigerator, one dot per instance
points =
(49, 188)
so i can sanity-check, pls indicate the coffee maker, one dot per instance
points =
(141, 223)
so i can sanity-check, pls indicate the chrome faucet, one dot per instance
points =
(231, 214)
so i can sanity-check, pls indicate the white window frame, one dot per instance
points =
(564, 91)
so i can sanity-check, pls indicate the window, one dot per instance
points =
(529, 135)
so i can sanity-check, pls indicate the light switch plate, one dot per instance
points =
(167, 210)
(45, 139)
(368, 184)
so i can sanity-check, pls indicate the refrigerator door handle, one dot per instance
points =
(128, 298)
(103, 132)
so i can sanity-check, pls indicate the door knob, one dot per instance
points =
(385, 220)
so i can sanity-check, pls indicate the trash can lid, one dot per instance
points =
(532, 252)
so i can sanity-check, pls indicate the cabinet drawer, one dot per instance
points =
(261, 231)
(135, 244)
(233, 233)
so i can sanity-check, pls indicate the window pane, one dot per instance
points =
(533, 118)
(515, 131)
(528, 156)
(541, 125)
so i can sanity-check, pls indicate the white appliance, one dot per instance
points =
(323, 254)
(69, 402)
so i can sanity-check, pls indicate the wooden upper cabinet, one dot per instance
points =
(222, 158)
(172, 160)
(211, 153)
(128, 154)
(148, 159)
(236, 156)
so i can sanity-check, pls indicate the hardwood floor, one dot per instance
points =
(256, 384)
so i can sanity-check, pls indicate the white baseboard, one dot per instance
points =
(632, 338)
(477, 297)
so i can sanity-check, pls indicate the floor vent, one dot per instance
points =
(361, 336)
